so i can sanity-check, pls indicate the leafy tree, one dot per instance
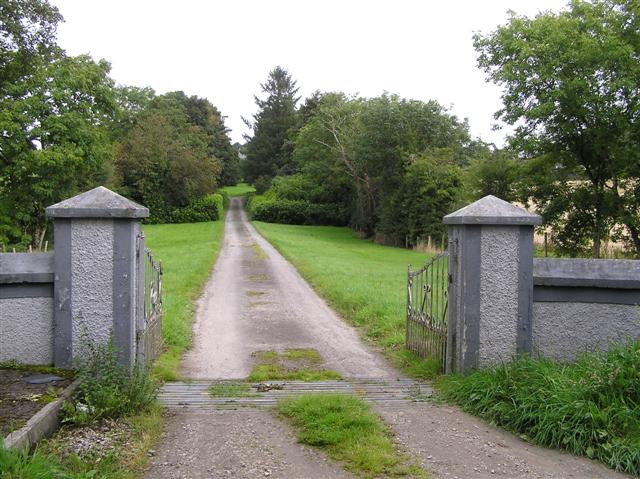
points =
(361, 149)
(430, 189)
(27, 39)
(571, 84)
(493, 173)
(268, 150)
(202, 113)
(130, 102)
(164, 162)
(54, 139)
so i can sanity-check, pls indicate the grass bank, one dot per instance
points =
(589, 408)
(241, 189)
(187, 252)
(365, 282)
(349, 431)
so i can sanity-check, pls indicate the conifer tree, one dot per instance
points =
(269, 150)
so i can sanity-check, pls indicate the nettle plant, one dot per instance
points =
(108, 388)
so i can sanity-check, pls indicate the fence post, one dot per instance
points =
(491, 283)
(95, 272)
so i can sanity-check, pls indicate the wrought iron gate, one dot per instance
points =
(150, 304)
(427, 309)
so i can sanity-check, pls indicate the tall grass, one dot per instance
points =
(589, 408)
(365, 282)
(187, 252)
(16, 464)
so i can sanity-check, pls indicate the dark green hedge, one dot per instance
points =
(296, 212)
(206, 208)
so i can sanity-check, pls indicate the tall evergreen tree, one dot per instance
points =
(269, 151)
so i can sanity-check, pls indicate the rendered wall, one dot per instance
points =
(561, 331)
(91, 279)
(498, 295)
(26, 330)
(26, 307)
(584, 305)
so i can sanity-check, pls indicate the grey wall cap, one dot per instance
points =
(590, 273)
(99, 202)
(492, 211)
(26, 268)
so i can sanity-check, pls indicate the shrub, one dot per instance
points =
(205, 208)
(262, 184)
(296, 212)
(590, 408)
(226, 200)
(107, 387)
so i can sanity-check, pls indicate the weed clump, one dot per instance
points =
(108, 389)
(590, 408)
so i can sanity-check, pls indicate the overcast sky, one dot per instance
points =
(223, 50)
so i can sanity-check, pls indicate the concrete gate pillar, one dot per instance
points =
(491, 283)
(95, 273)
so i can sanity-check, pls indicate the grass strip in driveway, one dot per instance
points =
(188, 252)
(365, 282)
(350, 432)
(297, 364)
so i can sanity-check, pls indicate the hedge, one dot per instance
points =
(206, 208)
(296, 212)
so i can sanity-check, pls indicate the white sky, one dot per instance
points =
(223, 50)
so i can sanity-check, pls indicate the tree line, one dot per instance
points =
(391, 167)
(65, 127)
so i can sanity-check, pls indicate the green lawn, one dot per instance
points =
(365, 282)
(187, 252)
(240, 189)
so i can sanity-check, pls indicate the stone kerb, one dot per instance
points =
(491, 289)
(95, 272)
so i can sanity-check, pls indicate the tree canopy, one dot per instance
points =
(571, 85)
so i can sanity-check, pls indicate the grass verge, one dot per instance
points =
(365, 282)
(187, 252)
(347, 429)
(121, 455)
(291, 365)
(590, 408)
(241, 189)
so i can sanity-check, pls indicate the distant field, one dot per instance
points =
(365, 282)
(187, 252)
(240, 189)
